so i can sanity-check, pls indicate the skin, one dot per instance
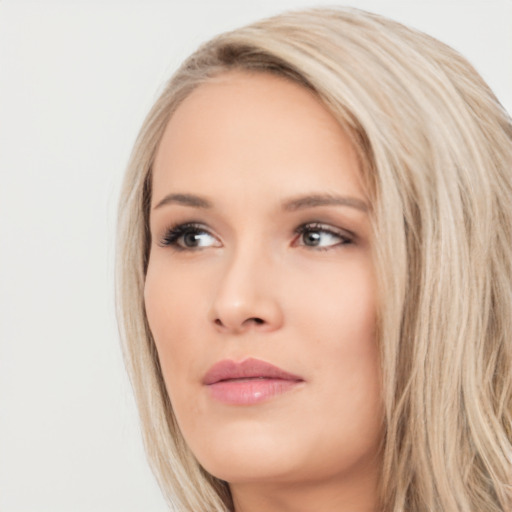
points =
(247, 284)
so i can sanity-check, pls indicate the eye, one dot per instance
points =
(189, 237)
(321, 236)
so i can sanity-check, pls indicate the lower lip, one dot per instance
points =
(250, 391)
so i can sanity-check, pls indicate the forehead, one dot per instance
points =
(255, 128)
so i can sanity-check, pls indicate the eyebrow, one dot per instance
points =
(185, 200)
(315, 200)
(294, 204)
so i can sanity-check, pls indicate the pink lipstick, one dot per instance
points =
(247, 382)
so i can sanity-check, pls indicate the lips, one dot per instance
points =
(248, 382)
(246, 369)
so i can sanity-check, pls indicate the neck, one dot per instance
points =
(349, 495)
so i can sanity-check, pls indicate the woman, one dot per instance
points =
(315, 273)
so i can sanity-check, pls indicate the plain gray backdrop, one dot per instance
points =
(76, 79)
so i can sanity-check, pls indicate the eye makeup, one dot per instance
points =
(188, 236)
(194, 236)
(320, 236)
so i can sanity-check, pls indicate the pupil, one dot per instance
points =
(312, 238)
(190, 239)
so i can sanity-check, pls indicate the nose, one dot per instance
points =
(246, 297)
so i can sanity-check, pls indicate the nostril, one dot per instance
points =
(247, 322)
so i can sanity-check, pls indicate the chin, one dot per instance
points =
(247, 458)
(284, 459)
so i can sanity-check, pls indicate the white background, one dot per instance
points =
(76, 79)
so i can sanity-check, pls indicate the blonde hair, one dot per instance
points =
(435, 148)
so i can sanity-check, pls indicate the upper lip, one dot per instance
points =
(228, 369)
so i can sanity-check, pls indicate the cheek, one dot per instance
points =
(339, 340)
(337, 306)
(171, 298)
(172, 310)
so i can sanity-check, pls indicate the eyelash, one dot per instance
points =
(173, 235)
(311, 227)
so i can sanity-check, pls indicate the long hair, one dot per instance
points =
(435, 152)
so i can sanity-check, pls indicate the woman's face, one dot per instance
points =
(260, 290)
